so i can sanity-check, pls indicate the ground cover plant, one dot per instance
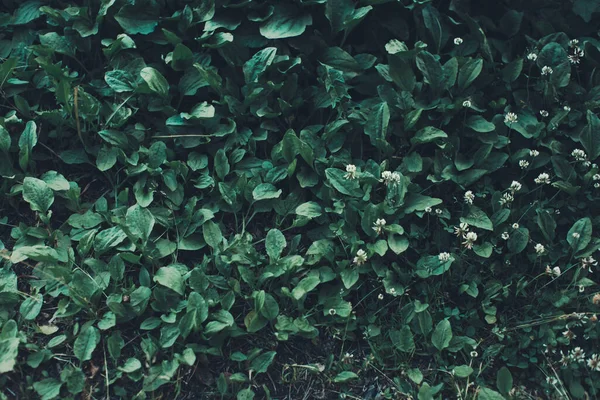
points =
(299, 199)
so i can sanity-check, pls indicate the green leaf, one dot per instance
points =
(586, 8)
(504, 380)
(221, 164)
(48, 388)
(57, 43)
(428, 134)
(345, 186)
(170, 277)
(266, 191)
(512, 70)
(107, 158)
(398, 243)
(245, 394)
(469, 71)
(518, 240)
(349, 277)
(546, 224)
(478, 218)
(9, 348)
(377, 126)
(287, 21)
(27, 12)
(590, 140)
(120, 81)
(484, 250)
(431, 18)
(415, 375)
(108, 239)
(580, 234)
(258, 64)
(418, 202)
(27, 142)
(86, 343)
(462, 371)
(480, 124)
(489, 394)
(431, 70)
(5, 140)
(38, 194)
(212, 234)
(345, 376)
(403, 339)
(31, 307)
(261, 364)
(337, 11)
(155, 81)
(137, 19)
(442, 335)
(182, 58)
(275, 243)
(140, 222)
(309, 209)
(305, 286)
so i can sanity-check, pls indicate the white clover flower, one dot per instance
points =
(470, 238)
(443, 257)
(573, 42)
(575, 58)
(392, 291)
(546, 70)
(361, 257)
(469, 197)
(539, 248)
(577, 354)
(438, 211)
(576, 235)
(596, 177)
(532, 56)
(568, 334)
(428, 210)
(544, 113)
(505, 236)
(588, 262)
(551, 380)
(515, 186)
(506, 198)
(594, 363)
(567, 108)
(515, 226)
(553, 271)
(534, 153)
(579, 155)
(380, 297)
(379, 225)
(467, 104)
(458, 41)
(390, 178)
(461, 229)
(350, 171)
(542, 178)
(523, 164)
(510, 118)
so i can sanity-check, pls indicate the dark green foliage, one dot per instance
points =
(260, 199)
